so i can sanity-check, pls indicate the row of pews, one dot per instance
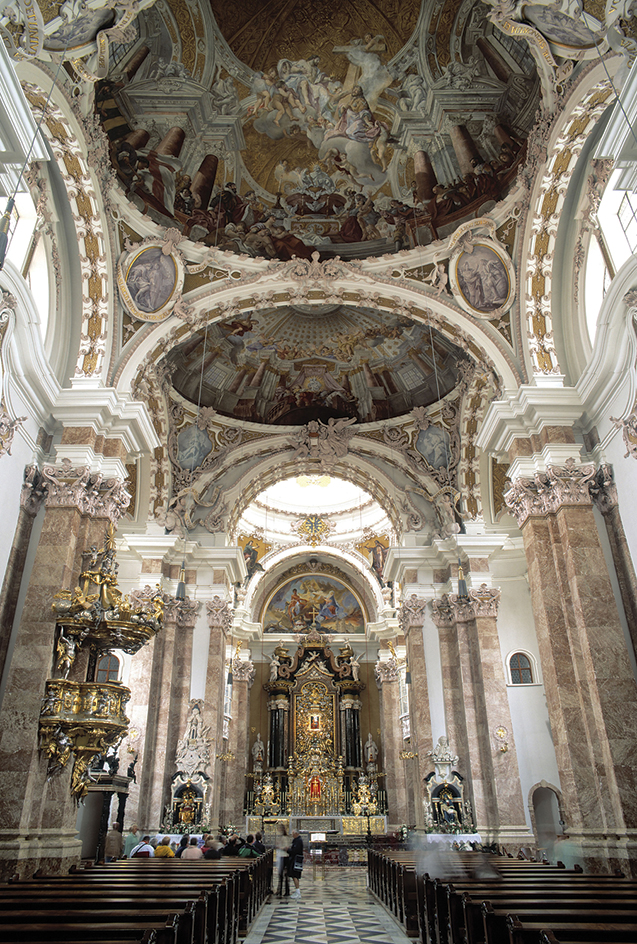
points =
(156, 901)
(497, 900)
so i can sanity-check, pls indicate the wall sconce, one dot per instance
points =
(501, 735)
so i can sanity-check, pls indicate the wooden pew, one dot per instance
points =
(157, 901)
(570, 932)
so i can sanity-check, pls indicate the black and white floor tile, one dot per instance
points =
(334, 908)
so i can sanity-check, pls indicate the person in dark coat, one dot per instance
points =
(295, 862)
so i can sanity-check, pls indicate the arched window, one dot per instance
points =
(107, 669)
(521, 671)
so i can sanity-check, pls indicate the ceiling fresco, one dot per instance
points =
(290, 365)
(284, 128)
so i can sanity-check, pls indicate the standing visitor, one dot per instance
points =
(114, 843)
(281, 860)
(295, 862)
(131, 840)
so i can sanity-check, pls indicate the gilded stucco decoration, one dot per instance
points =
(543, 224)
(87, 218)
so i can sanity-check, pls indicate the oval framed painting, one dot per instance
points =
(150, 282)
(482, 279)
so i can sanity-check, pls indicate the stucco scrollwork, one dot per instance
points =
(93, 495)
(547, 492)
(219, 614)
(412, 613)
(628, 427)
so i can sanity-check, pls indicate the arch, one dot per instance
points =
(108, 668)
(353, 567)
(520, 668)
(588, 99)
(68, 144)
(546, 810)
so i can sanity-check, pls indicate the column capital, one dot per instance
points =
(69, 487)
(480, 603)
(412, 613)
(603, 490)
(548, 491)
(243, 670)
(182, 612)
(32, 493)
(219, 614)
(386, 671)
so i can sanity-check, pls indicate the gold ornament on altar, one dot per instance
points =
(365, 803)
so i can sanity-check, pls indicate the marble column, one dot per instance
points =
(37, 816)
(135, 63)
(172, 142)
(392, 742)
(232, 806)
(465, 148)
(411, 617)
(590, 688)
(501, 68)
(169, 695)
(491, 768)
(604, 494)
(31, 498)
(204, 180)
(425, 176)
(219, 620)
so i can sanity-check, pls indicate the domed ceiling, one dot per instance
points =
(284, 128)
(294, 364)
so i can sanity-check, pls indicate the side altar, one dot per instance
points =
(316, 774)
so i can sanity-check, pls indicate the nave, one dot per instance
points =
(335, 908)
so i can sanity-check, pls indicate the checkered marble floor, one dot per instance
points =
(334, 909)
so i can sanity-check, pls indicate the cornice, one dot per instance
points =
(526, 413)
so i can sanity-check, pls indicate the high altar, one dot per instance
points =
(315, 769)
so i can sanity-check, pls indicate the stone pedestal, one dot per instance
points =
(590, 688)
